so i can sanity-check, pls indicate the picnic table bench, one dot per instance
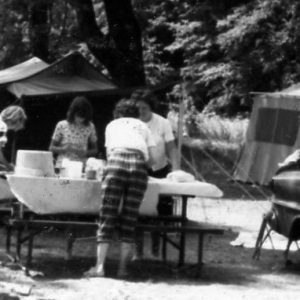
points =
(36, 226)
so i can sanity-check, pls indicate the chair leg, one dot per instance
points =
(286, 252)
(260, 238)
(268, 235)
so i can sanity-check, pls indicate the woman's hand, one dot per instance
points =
(79, 152)
(67, 148)
(71, 148)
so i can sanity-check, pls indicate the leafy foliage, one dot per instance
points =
(224, 48)
(227, 48)
(14, 42)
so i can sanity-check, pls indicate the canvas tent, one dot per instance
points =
(45, 91)
(71, 74)
(272, 135)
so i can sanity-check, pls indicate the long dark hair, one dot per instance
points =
(82, 108)
(126, 108)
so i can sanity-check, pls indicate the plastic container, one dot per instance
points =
(41, 161)
(91, 174)
(97, 165)
(74, 169)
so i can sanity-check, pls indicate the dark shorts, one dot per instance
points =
(165, 203)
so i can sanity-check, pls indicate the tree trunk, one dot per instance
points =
(121, 50)
(39, 27)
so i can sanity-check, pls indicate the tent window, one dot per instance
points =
(277, 126)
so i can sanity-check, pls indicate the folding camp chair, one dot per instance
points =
(283, 218)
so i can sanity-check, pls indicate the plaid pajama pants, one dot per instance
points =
(125, 179)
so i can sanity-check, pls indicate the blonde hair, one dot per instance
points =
(13, 114)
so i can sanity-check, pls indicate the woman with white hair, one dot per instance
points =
(12, 118)
(129, 146)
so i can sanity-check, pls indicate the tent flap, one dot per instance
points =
(71, 74)
(272, 135)
(57, 85)
(22, 70)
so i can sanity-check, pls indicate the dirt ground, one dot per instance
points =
(229, 272)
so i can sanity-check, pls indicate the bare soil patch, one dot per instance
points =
(228, 273)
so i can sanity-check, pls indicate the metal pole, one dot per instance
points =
(180, 127)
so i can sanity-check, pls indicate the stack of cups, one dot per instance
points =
(94, 168)
(71, 169)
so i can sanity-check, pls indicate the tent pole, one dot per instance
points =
(180, 127)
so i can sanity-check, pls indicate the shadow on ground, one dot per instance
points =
(223, 264)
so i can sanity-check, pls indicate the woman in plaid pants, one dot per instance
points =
(129, 145)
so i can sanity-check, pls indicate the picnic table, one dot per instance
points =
(48, 201)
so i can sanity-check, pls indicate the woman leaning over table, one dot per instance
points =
(75, 138)
(129, 146)
(12, 118)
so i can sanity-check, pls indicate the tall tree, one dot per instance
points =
(13, 22)
(39, 27)
(120, 50)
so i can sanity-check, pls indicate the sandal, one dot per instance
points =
(93, 272)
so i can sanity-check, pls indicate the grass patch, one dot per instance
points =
(222, 138)
(216, 128)
(218, 131)
(213, 151)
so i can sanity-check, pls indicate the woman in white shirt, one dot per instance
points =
(129, 145)
(165, 156)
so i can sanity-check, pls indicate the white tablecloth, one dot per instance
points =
(61, 195)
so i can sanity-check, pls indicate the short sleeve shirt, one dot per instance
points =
(128, 133)
(162, 132)
(78, 136)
